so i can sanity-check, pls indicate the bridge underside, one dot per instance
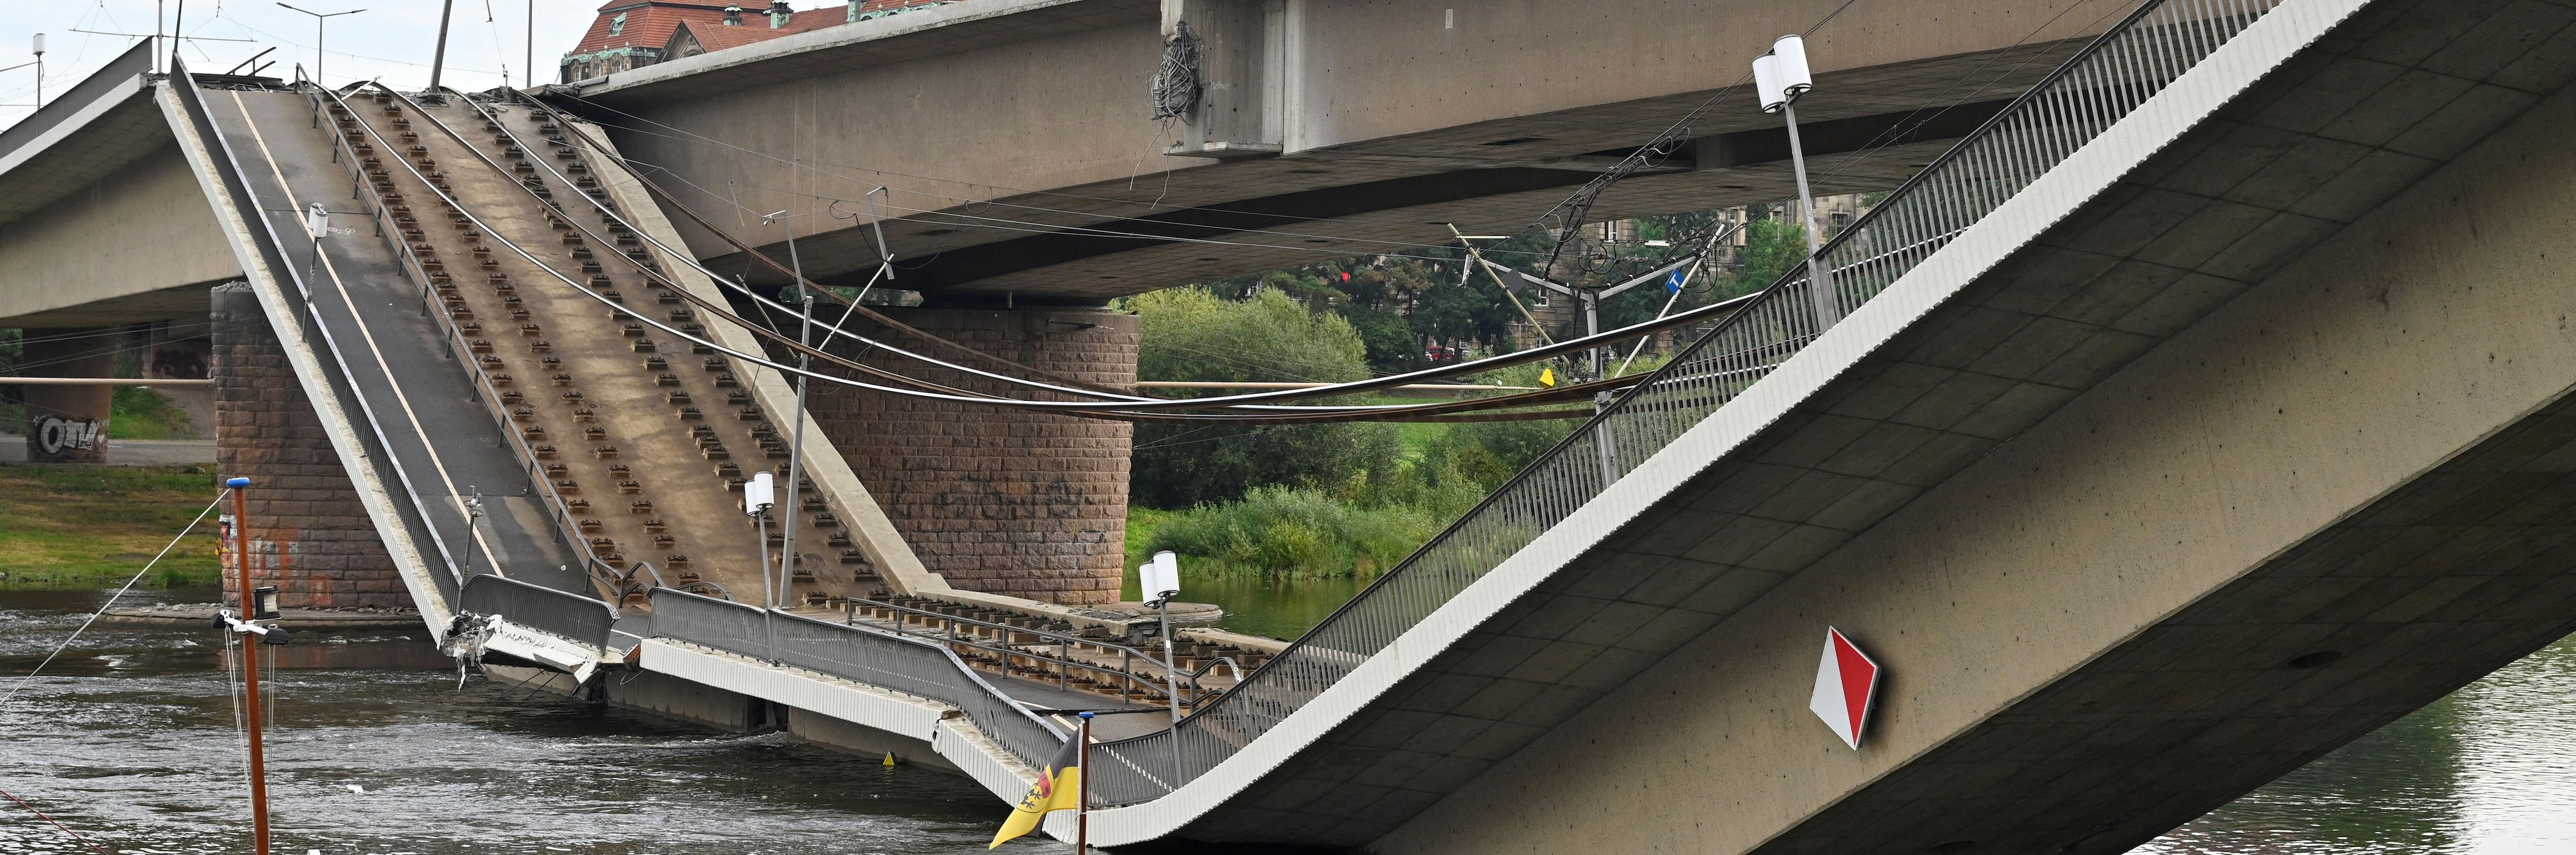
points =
(1392, 121)
(2243, 459)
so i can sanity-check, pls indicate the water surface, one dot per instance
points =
(131, 739)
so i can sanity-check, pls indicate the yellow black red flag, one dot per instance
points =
(1059, 787)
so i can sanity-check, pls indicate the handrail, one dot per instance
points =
(1197, 693)
(561, 613)
(567, 527)
(308, 325)
(899, 663)
(2105, 81)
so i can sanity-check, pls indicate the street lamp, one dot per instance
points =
(40, 71)
(1779, 77)
(756, 502)
(1158, 581)
(318, 19)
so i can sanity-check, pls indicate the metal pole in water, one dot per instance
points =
(250, 667)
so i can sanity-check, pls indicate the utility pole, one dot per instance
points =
(796, 430)
(1779, 77)
(528, 74)
(438, 58)
(318, 20)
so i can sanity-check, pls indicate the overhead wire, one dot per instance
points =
(1126, 409)
(1129, 401)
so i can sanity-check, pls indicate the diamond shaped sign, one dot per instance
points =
(1846, 684)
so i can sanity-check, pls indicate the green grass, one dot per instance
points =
(141, 413)
(1284, 532)
(69, 526)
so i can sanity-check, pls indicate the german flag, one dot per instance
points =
(1059, 787)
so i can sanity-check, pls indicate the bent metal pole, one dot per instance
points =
(250, 666)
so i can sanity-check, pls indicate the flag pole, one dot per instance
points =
(1082, 789)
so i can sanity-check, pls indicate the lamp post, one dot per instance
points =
(1779, 77)
(1158, 581)
(40, 70)
(796, 428)
(756, 502)
(318, 19)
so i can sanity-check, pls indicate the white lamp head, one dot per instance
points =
(1160, 579)
(1780, 76)
(317, 221)
(756, 495)
(1766, 83)
(1795, 78)
(40, 44)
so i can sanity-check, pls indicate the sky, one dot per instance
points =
(392, 39)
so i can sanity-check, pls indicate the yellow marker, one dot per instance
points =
(889, 761)
(1547, 377)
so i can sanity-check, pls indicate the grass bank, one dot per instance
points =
(94, 526)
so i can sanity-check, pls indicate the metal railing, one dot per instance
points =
(909, 665)
(306, 324)
(567, 528)
(997, 639)
(538, 607)
(2107, 80)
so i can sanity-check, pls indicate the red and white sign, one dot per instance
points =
(1846, 684)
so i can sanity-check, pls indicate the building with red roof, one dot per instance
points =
(631, 34)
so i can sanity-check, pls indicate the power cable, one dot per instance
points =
(1230, 401)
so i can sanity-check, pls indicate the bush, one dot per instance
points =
(1192, 335)
(1290, 531)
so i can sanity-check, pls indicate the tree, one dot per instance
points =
(1190, 334)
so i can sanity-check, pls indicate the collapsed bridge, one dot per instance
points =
(2151, 438)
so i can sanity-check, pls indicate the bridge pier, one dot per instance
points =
(1001, 501)
(68, 424)
(310, 535)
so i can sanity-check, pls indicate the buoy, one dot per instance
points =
(889, 760)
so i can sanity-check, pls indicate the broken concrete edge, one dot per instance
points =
(376, 496)
(874, 533)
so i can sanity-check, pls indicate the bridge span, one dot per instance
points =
(2195, 414)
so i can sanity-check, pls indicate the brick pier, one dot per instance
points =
(1001, 501)
(309, 535)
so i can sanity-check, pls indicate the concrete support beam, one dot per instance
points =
(1241, 73)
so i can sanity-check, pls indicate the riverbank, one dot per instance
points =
(85, 527)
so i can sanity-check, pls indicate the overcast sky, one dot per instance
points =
(392, 39)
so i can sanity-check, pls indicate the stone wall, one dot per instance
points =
(309, 535)
(1006, 502)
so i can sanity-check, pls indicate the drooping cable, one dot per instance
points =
(1128, 409)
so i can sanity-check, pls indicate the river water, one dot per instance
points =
(131, 739)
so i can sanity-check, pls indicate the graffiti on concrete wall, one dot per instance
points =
(55, 434)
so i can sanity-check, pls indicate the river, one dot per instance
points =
(130, 738)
